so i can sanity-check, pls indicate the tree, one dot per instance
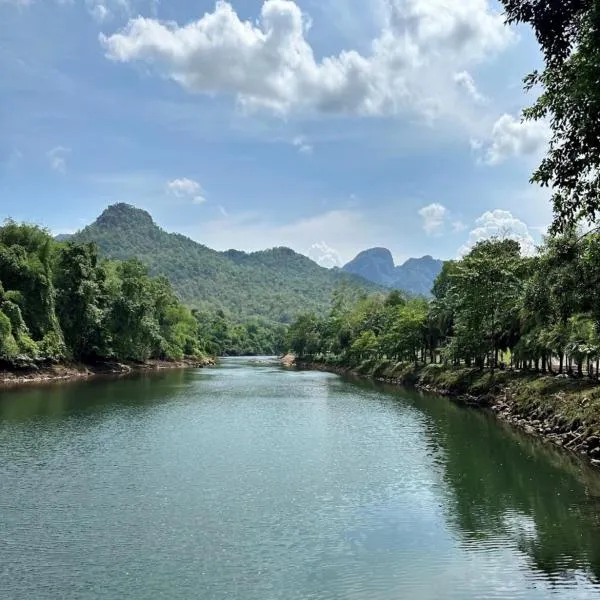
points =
(303, 338)
(134, 328)
(365, 346)
(405, 333)
(26, 274)
(568, 32)
(485, 289)
(81, 300)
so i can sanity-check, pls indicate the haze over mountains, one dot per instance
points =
(415, 276)
(276, 284)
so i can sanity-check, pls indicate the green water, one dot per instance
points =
(250, 482)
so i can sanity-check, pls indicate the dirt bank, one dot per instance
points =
(31, 374)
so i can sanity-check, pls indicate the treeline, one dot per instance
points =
(60, 301)
(254, 336)
(493, 308)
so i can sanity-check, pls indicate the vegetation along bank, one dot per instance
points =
(519, 335)
(66, 313)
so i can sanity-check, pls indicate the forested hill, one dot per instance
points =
(276, 284)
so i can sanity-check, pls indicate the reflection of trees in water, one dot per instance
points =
(92, 397)
(506, 484)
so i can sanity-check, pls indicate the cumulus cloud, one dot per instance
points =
(512, 137)
(434, 216)
(269, 64)
(57, 157)
(324, 255)
(500, 224)
(465, 81)
(186, 188)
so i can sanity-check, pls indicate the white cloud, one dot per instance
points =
(348, 231)
(186, 188)
(465, 80)
(500, 224)
(434, 216)
(269, 63)
(98, 10)
(58, 158)
(105, 10)
(303, 146)
(21, 3)
(511, 137)
(63, 231)
(325, 255)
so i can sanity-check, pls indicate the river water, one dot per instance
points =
(253, 483)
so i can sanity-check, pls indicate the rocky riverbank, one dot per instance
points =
(561, 410)
(32, 373)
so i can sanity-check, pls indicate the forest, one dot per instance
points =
(493, 308)
(59, 301)
(273, 285)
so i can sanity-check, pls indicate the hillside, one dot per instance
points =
(277, 284)
(415, 276)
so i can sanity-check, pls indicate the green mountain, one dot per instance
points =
(276, 284)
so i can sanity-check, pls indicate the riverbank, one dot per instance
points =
(48, 373)
(559, 409)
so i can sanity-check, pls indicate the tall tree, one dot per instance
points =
(81, 300)
(568, 32)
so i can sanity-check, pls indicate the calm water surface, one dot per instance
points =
(253, 483)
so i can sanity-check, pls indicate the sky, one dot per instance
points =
(329, 126)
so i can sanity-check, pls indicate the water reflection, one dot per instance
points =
(93, 396)
(253, 483)
(508, 485)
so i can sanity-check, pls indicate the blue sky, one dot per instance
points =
(329, 126)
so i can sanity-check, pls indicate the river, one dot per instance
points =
(250, 482)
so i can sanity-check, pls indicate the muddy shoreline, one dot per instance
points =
(65, 372)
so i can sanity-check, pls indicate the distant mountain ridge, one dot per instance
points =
(276, 284)
(415, 276)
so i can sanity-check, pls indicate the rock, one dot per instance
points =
(596, 463)
(289, 360)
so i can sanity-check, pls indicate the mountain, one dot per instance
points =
(277, 284)
(376, 264)
(415, 276)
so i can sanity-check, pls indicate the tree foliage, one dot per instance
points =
(62, 301)
(568, 32)
(490, 309)
(273, 285)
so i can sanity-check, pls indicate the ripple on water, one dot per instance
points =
(253, 483)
